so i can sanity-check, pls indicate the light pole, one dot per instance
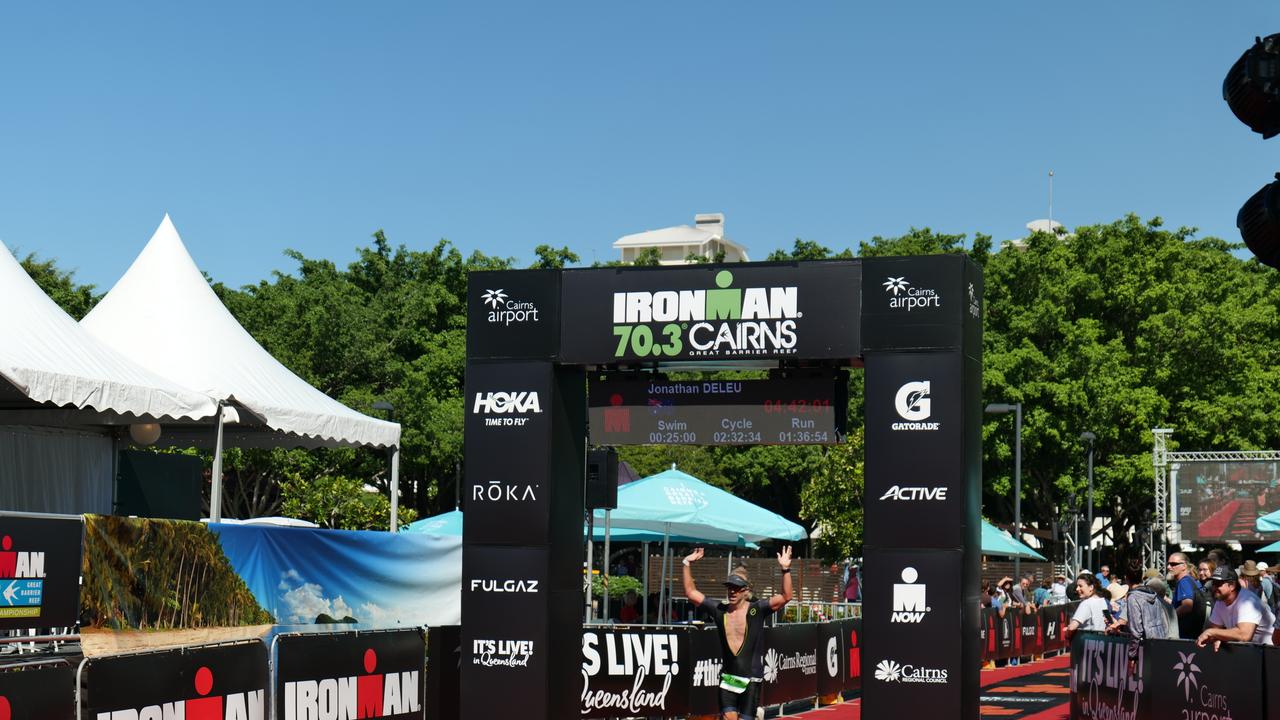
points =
(390, 410)
(1016, 409)
(1089, 437)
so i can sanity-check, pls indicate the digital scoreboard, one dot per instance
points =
(781, 411)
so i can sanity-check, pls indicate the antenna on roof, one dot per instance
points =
(1051, 201)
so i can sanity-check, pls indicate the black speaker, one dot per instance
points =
(602, 478)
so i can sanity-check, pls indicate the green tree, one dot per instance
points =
(77, 300)
(549, 258)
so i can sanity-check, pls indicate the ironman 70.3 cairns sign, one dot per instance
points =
(759, 311)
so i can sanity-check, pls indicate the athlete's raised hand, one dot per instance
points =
(694, 556)
(784, 557)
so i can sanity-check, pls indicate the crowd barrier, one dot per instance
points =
(1172, 679)
(1019, 634)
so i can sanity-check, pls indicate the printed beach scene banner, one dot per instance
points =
(378, 579)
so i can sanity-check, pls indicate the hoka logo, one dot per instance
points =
(502, 403)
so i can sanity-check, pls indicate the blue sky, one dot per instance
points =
(266, 126)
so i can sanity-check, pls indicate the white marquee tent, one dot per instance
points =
(163, 315)
(61, 392)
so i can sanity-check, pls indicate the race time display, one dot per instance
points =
(783, 411)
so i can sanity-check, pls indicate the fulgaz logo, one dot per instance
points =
(504, 311)
(371, 695)
(504, 586)
(906, 297)
(913, 404)
(716, 322)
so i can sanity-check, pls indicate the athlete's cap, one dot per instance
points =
(735, 581)
(1223, 573)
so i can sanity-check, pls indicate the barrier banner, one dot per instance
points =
(831, 659)
(47, 693)
(350, 674)
(1271, 674)
(195, 683)
(1101, 685)
(39, 572)
(989, 633)
(1056, 619)
(444, 657)
(1185, 681)
(704, 653)
(1006, 631)
(790, 663)
(851, 644)
(635, 672)
(1031, 631)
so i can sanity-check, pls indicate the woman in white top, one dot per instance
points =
(1089, 616)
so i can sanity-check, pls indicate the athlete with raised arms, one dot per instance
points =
(741, 625)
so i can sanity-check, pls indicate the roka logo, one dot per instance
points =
(898, 492)
(371, 695)
(912, 403)
(246, 705)
(498, 491)
(909, 599)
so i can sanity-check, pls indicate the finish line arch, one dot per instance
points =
(914, 323)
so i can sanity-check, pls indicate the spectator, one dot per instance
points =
(1204, 570)
(630, 612)
(851, 588)
(1188, 599)
(1041, 597)
(1090, 614)
(1057, 591)
(1104, 577)
(1146, 615)
(1237, 616)
(993, 599)
(1152, 579)
(1117, 607)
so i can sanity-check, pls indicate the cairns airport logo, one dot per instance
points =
(909, 298)
(505, 311)
(913, 404)
(717, 322)
(21, 581)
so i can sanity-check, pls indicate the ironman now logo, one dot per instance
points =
(909, 604)
(913, 404)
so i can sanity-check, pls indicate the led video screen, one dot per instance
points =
(1221, 501)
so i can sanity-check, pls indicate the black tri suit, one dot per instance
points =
(747, 663)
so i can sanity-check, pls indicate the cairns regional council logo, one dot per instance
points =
(717, 322)
(505, 311)
(891, 671)
(905, 296)
(21, 581)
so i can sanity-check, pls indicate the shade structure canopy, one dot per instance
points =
(449, 524)
(54, 373)
(1273, 547)
(678, 504)
(997, 542)
(163, 315)
(1268, 523)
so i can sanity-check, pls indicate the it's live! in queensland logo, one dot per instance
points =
(21, 580)
(719, 322)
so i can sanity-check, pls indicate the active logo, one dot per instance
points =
(501, 653)
(371, 695)
(21, 581)
(250, 704)
(504, 586)
(892, 671)
(902, 492)
(909, 604)
(717, 322)
(909, 298)
(913, 404)
(505, 311)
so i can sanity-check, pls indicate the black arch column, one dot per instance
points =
(922, 349)
(522, 548)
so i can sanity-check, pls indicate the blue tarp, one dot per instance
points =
(1269, 522)
(998, 542)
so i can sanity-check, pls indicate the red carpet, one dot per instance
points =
(1037, 691)
(1215, 524)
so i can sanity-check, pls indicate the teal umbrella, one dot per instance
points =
(677, 504)
(1268, 523)
(1273, 547)
(998, 542)
(445, 524)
